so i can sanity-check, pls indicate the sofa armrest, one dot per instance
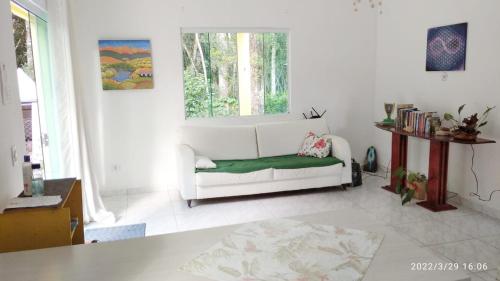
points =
(185, 159)
(342, 150)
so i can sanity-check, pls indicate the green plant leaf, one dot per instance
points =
(460, 109)
(407, 198)
(416, 177)
(399, 187)
(412, 177)
(400, 172)
(403, 198)
(488, 109)
(482, 124)
(448, 116)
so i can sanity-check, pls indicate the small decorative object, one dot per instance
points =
(27, 176)
(314, 114)
(357, 178)
(416, 185)
(468, 128)
(371, 160)
(37, 184)
(443, 131)
(389, 109)
(435, 125)
(126, 64)
(446, 48)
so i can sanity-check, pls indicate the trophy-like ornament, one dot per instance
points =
(389, 109)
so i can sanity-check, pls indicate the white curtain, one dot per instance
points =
(75, 148)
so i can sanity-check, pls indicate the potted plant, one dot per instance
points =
(416, 185)
(468, 128)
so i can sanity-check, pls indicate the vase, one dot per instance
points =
(420, 190)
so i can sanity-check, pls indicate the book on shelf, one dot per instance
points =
(413, 120)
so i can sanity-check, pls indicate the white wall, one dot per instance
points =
(332, 62)
(401, 78)
(11, 127)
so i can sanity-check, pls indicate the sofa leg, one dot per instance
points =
(189, 203)
(345, 186)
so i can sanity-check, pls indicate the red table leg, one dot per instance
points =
(398, 158)
(438, 178)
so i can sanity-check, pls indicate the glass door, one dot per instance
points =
(33, 74)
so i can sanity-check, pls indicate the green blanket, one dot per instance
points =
(278, 162)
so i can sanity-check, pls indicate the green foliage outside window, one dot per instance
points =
(213, 84)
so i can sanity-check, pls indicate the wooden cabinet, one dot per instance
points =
(44, 227)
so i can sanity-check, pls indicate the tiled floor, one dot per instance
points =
(462, 236)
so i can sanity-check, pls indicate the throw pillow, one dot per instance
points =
(316, 146)
(203, 162)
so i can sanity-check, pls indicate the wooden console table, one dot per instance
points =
(44, 227)
(438, 164)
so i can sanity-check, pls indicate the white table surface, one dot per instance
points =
(159, 257)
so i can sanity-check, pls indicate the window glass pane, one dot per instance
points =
(196, 87)
(224, 74)
(22, 29)
(48, 103)
(22, 40)
(276, 72)
(30, 38)
(231, 74)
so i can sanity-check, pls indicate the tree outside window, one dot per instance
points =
(235, 74)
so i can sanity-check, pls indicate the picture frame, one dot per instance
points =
(447, 48)
(126, 64)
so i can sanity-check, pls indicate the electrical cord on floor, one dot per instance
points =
(477, 181)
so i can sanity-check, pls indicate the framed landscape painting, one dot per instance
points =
(447, 48)
(126, 64)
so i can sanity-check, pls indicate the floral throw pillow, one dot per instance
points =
(316, 146)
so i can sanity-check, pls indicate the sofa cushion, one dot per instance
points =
(215, 179)
(316, 146)
(290, 174)
(203, 162)
(284, 138)
(221, 142)
(277, 162)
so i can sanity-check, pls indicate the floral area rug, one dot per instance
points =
(283, 249)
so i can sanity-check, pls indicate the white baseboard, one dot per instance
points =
(135, 190)
(478, 207)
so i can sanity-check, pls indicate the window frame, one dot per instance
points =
(33, 8)
(236, 30)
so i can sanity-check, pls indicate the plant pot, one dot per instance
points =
(459, 135)
(420, 190)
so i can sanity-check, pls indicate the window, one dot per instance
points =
(235, 74)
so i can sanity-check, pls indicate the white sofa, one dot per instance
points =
(251, 142)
